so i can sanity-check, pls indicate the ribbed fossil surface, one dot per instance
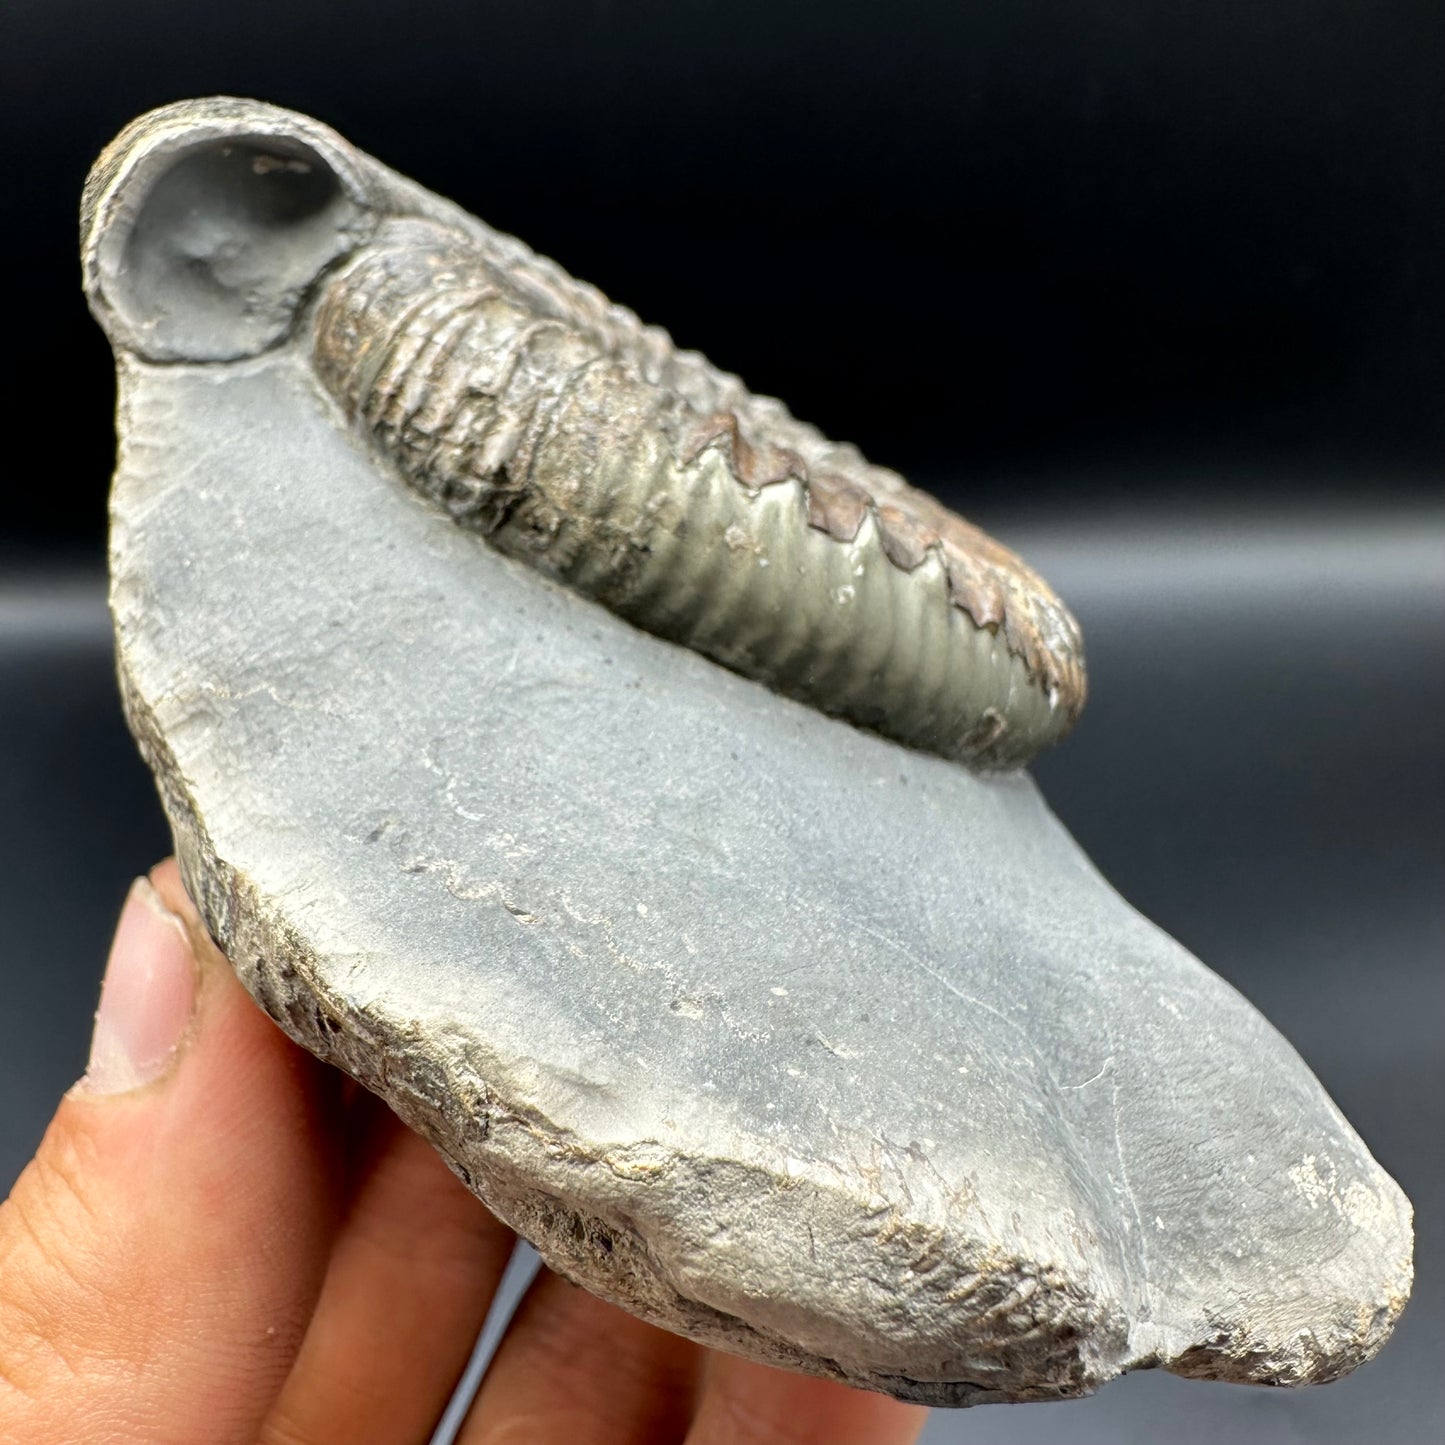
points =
(570, 435)
(663, 489)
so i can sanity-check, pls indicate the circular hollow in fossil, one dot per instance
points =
(215, 239)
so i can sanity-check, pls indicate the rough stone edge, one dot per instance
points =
(598, 1253)
(607, 1257)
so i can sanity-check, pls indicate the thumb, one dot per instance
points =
(160, 1256)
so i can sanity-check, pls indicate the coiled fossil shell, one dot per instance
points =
(583, 442)
(940, 1115)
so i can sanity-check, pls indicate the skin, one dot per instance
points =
(233, 1243)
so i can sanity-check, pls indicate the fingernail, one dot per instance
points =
(146, 1000)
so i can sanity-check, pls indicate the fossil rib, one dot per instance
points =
(583, 442)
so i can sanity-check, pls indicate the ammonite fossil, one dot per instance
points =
(826, 1051)
(574, 437)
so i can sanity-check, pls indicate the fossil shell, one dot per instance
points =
(801, 1044)
(664, 490)
(577, 439)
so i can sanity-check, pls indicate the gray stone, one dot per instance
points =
(771, 1030)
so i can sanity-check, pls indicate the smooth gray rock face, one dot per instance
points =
(772, 1031)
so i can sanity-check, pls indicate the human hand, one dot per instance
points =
(223, 1240)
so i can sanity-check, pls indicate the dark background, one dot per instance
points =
(1057, 245)
(1154, 290)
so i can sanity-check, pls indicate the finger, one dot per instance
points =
(749, 1404)
(416, 1262)
(160, 1256)
(572, 1368)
